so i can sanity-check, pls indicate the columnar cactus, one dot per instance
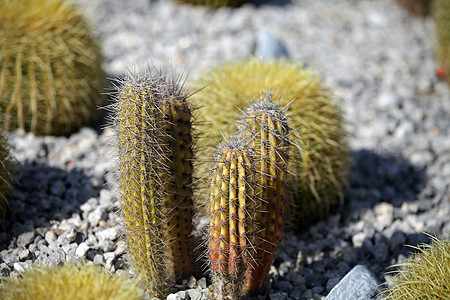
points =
(50, 76)
(267, 126)
(425, 276)
(248, 201)
(234, 223)
(7, 166)
(441, 15)
(153, 120)
(321, 169)
(75, 281)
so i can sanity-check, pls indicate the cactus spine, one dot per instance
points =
(267, 126)
(50, 67)
(248, 201)
(153, 120)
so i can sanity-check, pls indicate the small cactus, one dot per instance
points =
(321, 169)
(425, 276)
(234, 223)
(50, 75)
(7, 166)
(441, 16)
(248, 201)
(214, 3)
(153, 121)
(75, 281)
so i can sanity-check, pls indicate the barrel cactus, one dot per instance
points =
(76, 281)
(155, 152)
(50, 76)
(7, 166)
(425, 276)
(441, 15)
(322, 165)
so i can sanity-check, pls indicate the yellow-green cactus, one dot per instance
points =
(321, 169)
(441, 15)
(153, 120)
(50, 67)
(7, 166)
(75, 281)
(425, 276)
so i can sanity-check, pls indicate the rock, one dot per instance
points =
(26, 238)
(278, 296)
(202, 283)
(268, 46)
(50, 236)
(82, 249)
(358, 284)
(21, 266)
(4, 269)
(194, 294)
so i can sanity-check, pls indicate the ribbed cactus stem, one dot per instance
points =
(153, 120)
(232, 207)
(267, 126)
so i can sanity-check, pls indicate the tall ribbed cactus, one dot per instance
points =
(267, 126)
(248, 201)
(153, 120)
(51, 77)
(233, 225)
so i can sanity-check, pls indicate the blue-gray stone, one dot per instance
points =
(358, 284)
(269, 46)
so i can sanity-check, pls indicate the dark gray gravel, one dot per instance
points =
(377, 59)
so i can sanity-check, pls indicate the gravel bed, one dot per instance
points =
(377, 59)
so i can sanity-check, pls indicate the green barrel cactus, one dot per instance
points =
(214, 3)
(441, 15)
(248, 201)
(155, 152)
(425, 276)
(75, 281)
(7, 167)
(50, 67)
(321, 167)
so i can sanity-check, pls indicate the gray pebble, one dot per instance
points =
(82, 249)
(358, 284)
(25, 238)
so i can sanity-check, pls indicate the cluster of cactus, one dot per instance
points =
(155, 151)
(72, 280)
(214, 3)
(248, 200)
(416, 7)
(7, 166)
(50, 75)
(321, 169)
(441, 15)
(425, 276)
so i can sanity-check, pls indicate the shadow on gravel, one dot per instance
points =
(43, 194)
(374, 179)
(270, 2)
